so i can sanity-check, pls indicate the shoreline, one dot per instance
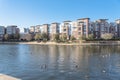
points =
(106, 43)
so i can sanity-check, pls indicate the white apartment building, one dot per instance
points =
(66, 27)
(54, 29)
(80, 27)
(46, 28)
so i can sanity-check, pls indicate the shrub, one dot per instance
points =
(107, 36)
(56, 37)
(38, 36)
(72, 38)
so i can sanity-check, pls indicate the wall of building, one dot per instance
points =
(11, 30)
(2, 32)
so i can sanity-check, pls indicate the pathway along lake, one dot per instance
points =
(36, 62)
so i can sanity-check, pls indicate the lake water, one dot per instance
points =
(35, 62)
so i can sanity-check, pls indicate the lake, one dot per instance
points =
(37, 62)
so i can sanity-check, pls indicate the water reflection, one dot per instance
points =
(35, 62)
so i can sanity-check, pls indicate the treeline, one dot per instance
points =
(12, 37)
(65, 38)
(56, 37)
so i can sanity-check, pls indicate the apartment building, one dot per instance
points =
(32, 29)
(75, 30)
(2, 32)
(100, 27)
(12, 29)
(118, 27)
(37, 29)
(54, 29)
(41, 28)
(46, 28)
(113, 29)
(17, 30)
(81, 28)
(66, 28)
(24, 30)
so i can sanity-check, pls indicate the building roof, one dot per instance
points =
(54, 23)
(102, 19)
(83, 18)
(38, 25)
(117, 20)
(67, 21)
(11, 26)
(45, 24)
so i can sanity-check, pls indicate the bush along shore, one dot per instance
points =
(43, 39)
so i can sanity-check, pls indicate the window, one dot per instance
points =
(105, 28)
(79, 28)
(79, 33)
(84, 32)
(64, 30)
(84, 28)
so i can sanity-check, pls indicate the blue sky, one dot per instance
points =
(25, 13)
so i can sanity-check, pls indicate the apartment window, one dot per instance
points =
(79, 33)
(65, 34)
(91, 29)
(84, 32)
(84, 28)
(79, 28)
(112, 29)
(64, 30)
(79, 24)
(105, 28)
(102, 25)
(98, 25)
(96, 28)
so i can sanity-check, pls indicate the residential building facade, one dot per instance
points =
(100, 27)
(24, 30)
(37, 29)
(46, 28)
(12, 30)
(2, 32)
(66, 29)
(32, 29)
(54, 29)
(113, 29)
(118, 27)
(81, 28)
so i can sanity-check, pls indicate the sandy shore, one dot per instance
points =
(6, 77)
(54, 43)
